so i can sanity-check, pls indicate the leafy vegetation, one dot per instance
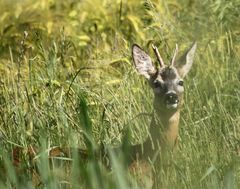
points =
(68, 80)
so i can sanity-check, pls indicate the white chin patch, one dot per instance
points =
(172, 106)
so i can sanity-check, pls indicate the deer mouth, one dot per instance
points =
(171, 100)
(173, 104)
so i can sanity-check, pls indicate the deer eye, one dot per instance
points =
(157, 84)
(180, 83)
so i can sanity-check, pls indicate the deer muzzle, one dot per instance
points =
(171, 100)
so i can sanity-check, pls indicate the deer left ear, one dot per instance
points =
(143, 62)
(184, 63)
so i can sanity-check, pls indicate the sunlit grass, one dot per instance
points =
(70, 82)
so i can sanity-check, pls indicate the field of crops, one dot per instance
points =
(68, 80)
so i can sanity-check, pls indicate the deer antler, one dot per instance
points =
(174, 56)
(160, 60)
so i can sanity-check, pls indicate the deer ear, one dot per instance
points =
(184, 63)
(142, 61)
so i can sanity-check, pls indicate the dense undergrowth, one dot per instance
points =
(66, 69)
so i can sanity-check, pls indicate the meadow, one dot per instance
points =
(67, 79)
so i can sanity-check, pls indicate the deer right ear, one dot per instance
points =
(142, 61)
(184, 63)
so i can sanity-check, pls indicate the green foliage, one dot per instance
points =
(67, 77)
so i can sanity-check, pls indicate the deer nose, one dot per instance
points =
(172, 98)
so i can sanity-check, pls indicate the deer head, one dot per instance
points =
(166, 81)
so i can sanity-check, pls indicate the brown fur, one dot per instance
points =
(167, 85)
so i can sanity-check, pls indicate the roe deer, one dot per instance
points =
(167, 85)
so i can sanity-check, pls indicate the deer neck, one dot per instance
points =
(162, 135)
(164, 128)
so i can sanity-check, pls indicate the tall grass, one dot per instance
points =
(68, 80)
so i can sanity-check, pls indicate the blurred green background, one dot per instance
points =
(54, 53)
